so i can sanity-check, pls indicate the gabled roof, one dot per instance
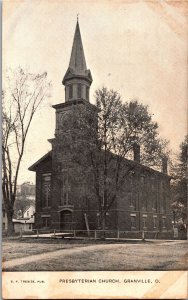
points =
(135, 164)
(27, 207)
(146, 168)
(34, 166)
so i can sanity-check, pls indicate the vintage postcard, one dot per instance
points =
(94, 149)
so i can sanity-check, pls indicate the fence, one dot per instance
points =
(96, 234)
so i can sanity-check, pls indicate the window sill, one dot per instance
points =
(132, 207)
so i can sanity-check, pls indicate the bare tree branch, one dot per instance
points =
(24, 93)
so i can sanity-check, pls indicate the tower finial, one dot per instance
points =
(77, 17)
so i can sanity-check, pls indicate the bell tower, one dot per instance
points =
(75, 134)
(77, 82)
(77, 79)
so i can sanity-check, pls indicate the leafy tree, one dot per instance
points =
(120, 128)
(179, 188)
(23, 93)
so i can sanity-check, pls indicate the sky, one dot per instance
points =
(138, 48)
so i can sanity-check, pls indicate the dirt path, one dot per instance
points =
(107, 256)
(54, 254)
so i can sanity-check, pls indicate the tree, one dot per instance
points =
(22, 96)
(121, 127)
(179, 188)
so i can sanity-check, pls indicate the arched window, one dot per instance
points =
(46, 189)
(65, 188)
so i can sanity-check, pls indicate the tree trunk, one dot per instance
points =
(103, 222)
(10, 229)
(103, 225)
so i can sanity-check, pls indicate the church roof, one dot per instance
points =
(77, 65)
(133, 163)
(43, 158)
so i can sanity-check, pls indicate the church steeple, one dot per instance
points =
(77, 60)
(77, 79)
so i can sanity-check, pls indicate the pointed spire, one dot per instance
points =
(77, 64)
(77, 60)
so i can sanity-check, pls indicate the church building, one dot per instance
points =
(64, 199)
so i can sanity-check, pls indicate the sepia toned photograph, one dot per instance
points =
(94, 149)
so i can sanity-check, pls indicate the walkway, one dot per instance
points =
(52, 255)
(93, 249)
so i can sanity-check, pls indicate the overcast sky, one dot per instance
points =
(138, 48)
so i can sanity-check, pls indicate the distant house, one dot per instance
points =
(27, 189)
(29, 212)
(25, 197)
(26, 213)
(26, 222)
(23, 225)
(24, 208)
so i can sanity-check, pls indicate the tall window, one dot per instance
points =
(143, 180)
(164, 222)
(70, 91)
(154, 194)
(155, 201)
(130, 198)
(87, 93)
(79, 90)
(162, 197)
(154, 221)
(46, 189)
(65, 188)
(132, 192)
(133, 221)
(141, 192)
(46, 222)
(144, 221)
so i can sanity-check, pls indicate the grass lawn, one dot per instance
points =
(25, 247)
(91, 256)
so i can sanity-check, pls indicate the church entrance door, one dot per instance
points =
(66, 220)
